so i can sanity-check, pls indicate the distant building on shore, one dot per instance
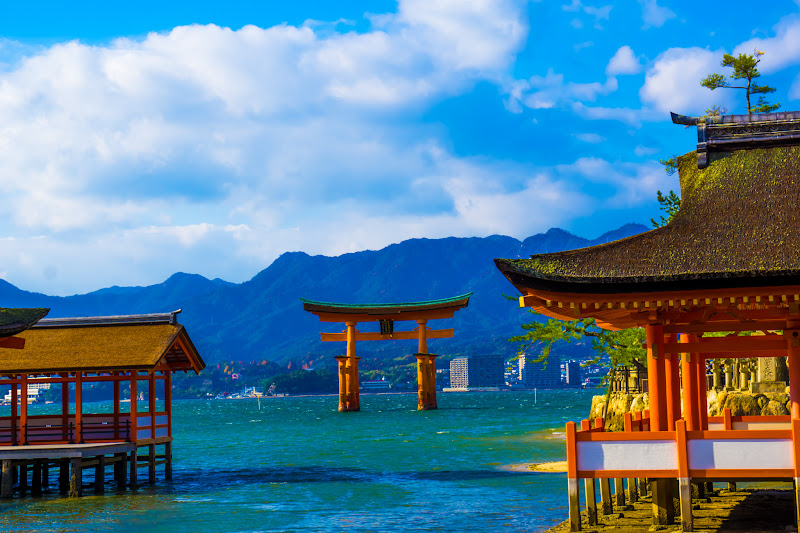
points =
(573, 374)
(546, 373)
(477, 371)
(375, 385)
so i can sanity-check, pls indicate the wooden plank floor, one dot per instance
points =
(757, 510)
(63, 451)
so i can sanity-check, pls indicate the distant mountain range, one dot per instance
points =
(263, 318)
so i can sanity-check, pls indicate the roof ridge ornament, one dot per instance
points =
(727, 133)
(112, 320)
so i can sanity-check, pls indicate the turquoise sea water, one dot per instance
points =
(298, 465)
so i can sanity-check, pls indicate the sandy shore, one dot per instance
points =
(553, 466)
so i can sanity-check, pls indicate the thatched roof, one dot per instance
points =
(97, 346)
(12, 321)
(737, 227)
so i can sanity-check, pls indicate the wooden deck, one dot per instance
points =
(64, 451)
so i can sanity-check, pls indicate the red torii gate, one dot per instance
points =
(387, 314)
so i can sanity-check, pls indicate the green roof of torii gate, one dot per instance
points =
(385, 308)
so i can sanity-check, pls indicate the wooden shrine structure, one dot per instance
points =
(728, 263)
(137, 352)
(387, 315)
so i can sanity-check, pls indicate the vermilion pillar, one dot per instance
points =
(792, 336)
(426, 370)
(655, 377)
(688, 389)
(702, 391)
(349, 399)
(673, 387)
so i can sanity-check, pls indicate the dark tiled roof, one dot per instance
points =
(13, 321)
(738, 225)
(383, 308)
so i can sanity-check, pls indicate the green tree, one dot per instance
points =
(744, 68)
(670, 204)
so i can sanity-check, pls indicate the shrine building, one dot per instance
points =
(65, 358)
(727, 264)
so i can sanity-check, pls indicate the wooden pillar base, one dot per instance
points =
(75, 477)
(685, 489)
(731, 486)
(643, 486)
(7, 481)
(605, 496)
(168, 461)
(426, 378)
(349, 398)
(591, 502)
(151, 463)
(619, 492)
(63, 477)
(134, 459)
(663, 508)
(119, 469)
(23, 479)
(633, 493)
(36, 479)
(574, 505)
(100, 475)
(797, 500)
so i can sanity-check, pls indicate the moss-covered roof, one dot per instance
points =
(13, 321)
(101, 348)
(738, 225)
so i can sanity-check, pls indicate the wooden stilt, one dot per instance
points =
(605, 496)
(45, 473)
(75, 477)
(655, 377)
(731, 486)
(633, 493)
(686, 504)
(63, 477)
(619, 492)
(23, 478)
(36, 479)
(643, 486)
(151, 463)
(133, 463)
(797, 500)
(100, 475)
(7, 481)
(663, 510)
(168, 461)
(591, 501)
(119, 469)
(574, 505)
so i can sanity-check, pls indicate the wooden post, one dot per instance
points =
(79, 405)
(572, 478)
(673, 387)
(23, 478)
(63, 476)
(7, 482)
(663, 509)
(655, 358)
(36, 478)
(14, 403)
(605, 496)
(796, 454)
(23, 407)
(134, 464)
(432, 369)
(353, 397)
(591, 501)
(619, 492)
(100, 475)
(686, 504)
(633, 493)
(168, 461)
(134, 416)
(684, 483)
(793, 341)
(116, 406)
(45, 473)
(168, 406)
(689, 394)
(65, 407)
(643, 485)
(75, 477)
(342, 361)
(151, 463)
(702, 392)
(426, 381)
(119, 469)
(151, 396)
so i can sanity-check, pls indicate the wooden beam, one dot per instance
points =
(14, 343)
(430, 314)
(767, 325)
(397, 335)
(729, 344)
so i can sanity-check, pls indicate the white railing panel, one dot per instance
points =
(739, 454)
(628, 455)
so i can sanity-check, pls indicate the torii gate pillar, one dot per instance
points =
(426, 371)
(349, 399)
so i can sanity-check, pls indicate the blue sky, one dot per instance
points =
(137, 140)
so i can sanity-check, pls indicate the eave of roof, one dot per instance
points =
(13, 321)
